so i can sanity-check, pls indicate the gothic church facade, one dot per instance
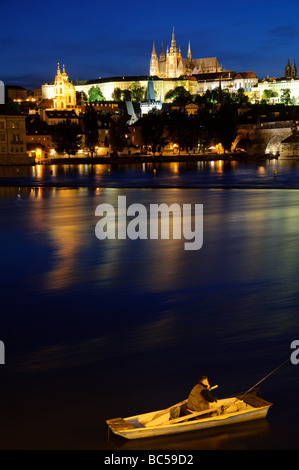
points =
(172, 65)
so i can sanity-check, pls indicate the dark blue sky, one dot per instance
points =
(114, 38)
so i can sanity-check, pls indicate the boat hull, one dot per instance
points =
(126, 427)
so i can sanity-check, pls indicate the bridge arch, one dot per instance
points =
(273, 146)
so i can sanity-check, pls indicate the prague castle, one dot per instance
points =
(172, 65)
(166, 72)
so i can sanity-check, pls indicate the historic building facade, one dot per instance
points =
(12, 137)
(64, 91)
(172, 65)
(277, 86)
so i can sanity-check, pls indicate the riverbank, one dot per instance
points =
(155, 159)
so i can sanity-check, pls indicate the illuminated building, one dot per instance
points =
(53, 116)
(150, 102)
(229, 80)
(272, 89)
(12, 137)
(108, 85)
(172, 65)
(64, 92)
(38, 138)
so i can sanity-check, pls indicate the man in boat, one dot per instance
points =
(200, 396)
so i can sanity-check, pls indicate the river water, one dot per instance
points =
(96, 329)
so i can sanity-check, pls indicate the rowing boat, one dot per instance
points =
(177, 418)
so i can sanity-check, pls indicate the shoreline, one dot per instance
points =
(125, 159)
(131, 159)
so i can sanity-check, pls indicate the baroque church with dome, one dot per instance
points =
(172, 65)
(64, 91)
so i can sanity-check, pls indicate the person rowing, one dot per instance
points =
(200, 396)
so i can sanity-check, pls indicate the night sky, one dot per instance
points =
(114, 38)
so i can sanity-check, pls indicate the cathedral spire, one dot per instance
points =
(154, 63)
(173, 47)
(162, 55)
(287, 70)
(294, 70)
(189, 52)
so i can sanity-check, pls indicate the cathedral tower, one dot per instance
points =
(174, 66)
(287, 70)
(294, 70)
(154, 63)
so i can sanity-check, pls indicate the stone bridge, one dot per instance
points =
(263, 138)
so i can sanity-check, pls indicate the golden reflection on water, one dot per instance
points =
(261, 226)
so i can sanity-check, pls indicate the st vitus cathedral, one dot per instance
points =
(172, 65)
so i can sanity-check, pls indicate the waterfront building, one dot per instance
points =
(38, 138)
(12, 137)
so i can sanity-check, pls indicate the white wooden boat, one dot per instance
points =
(174, 420)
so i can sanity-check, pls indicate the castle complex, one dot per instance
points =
(171, 70)
(173, 65)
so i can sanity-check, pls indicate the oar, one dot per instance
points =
(194, 415)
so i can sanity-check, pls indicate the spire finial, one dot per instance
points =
(189, 51)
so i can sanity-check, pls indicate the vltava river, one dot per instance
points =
(96, 329)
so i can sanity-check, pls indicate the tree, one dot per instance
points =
(117, 94)
(153, 130)
(267, 94)
(225, 126)
(285, 96)
(89, 122)
(118, 133)
(126, 95)
(179, 95)
(137, 92)
(95, 94)
(183, 130)
(66, 137)
(81, 97)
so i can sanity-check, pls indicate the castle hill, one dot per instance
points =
(185, 109)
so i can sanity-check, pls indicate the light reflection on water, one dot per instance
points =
(146, 314)
(198, 174)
